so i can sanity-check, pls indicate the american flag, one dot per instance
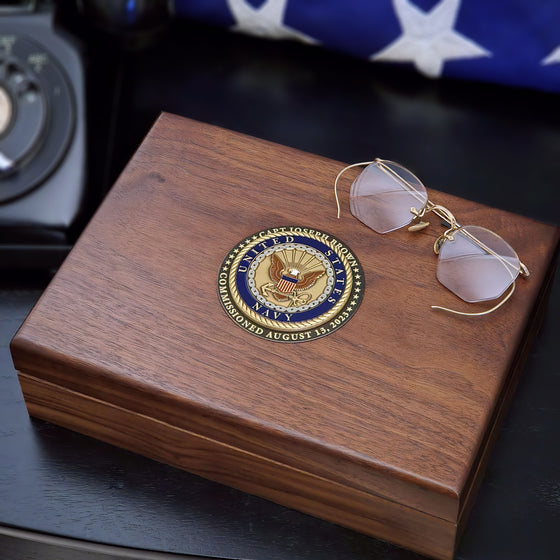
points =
(512, 42)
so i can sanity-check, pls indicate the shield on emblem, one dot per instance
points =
(286, 284)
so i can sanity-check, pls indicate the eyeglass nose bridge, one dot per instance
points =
(444, 213)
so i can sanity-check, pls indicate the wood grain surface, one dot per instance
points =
(399, 405)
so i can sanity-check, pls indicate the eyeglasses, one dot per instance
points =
(474, 263)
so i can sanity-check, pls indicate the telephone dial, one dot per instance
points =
(42, 136)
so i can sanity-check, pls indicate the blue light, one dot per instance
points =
(131, 11)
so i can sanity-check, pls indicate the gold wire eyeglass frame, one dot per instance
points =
(448, 218)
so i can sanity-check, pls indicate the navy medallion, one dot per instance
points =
(290, 284)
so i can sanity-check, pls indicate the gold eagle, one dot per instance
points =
(304, 282)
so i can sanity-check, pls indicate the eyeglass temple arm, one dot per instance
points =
(510, 293)
(339, 176)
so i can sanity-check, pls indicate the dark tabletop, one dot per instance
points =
(491, 144)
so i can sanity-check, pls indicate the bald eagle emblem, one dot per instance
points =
(291, 274)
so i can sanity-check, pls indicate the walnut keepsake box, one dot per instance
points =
(380, 418)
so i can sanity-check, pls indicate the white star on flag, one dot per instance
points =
(428, 38)
(553, 57)
(264, 21)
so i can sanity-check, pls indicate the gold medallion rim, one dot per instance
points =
(351, 266)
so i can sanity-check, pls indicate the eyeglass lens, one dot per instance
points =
(477, 264)
(383, 194)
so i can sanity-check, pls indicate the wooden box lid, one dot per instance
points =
(383, 425)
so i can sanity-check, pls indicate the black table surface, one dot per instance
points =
(495, 145)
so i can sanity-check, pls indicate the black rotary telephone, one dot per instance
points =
(47, 190)
(42, 136)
